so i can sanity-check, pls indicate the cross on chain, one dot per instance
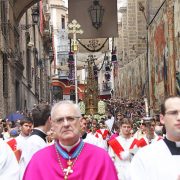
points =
(67, 171)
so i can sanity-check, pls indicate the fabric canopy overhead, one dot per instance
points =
(78, 10)
(93, 44)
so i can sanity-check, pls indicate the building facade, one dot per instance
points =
(24, 54)
(147, 50)
(63, 72)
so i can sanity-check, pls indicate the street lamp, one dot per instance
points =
(74, 28)
(35, 16)
(35, 19)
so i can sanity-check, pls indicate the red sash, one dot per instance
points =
(142, 142)
(13, 145)
(96, 135)
(104, 135)
(135, 141)
(116, 146)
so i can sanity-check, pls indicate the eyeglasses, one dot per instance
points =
(173, 113)
(60, 120)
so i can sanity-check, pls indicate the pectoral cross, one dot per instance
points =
(68, 170)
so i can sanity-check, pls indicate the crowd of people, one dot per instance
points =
(59, 142)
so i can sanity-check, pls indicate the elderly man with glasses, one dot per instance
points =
(69, 157)
(161, 160)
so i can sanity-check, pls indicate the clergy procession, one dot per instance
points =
(59, 142)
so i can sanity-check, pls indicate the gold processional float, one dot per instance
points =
(91, 106)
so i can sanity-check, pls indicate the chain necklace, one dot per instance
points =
(70, 163)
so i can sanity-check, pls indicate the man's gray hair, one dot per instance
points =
(66, 102)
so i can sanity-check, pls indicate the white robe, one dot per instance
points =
(21, 141)
(33, 144)
(154, 140)
(155, 162)
(138, 135)
(92, 139)
(9, 168)
(122, 166)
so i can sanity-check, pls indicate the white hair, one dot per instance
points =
(66, 102)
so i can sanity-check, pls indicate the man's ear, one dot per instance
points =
(49, 120)
(161, 118)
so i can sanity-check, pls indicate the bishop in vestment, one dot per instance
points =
(69, 157)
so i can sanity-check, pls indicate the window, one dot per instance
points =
(63, 22)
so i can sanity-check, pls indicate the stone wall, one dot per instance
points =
(132, 29)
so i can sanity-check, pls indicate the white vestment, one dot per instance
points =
(109, 123)
(97, 141)
(139, 134)
(9, 169)
(155, 139)
(21, 141)
(33, 144)
(155, 162)
(122, 165)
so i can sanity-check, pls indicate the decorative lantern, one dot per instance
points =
(107, 76)
(114, 57)
(107, 67)
(96, 12)
(71, 58)
(35, 16)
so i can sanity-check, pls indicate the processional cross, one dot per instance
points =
(74, 28)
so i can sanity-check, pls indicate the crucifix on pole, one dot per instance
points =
(74, 28)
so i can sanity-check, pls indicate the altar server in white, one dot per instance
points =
(161, 160)
(120, 149)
